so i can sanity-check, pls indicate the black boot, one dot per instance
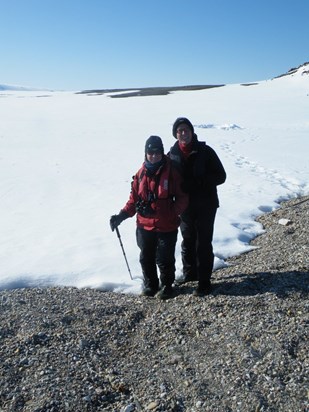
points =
(166, 292)
(202, 290)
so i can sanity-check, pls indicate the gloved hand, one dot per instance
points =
(115, 220)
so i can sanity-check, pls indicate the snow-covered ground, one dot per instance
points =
(67, 159)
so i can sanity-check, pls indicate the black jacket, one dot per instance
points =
(202, 171)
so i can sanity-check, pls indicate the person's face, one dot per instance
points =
(154, 157)
(184, 134)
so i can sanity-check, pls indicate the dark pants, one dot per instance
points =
(197, 227)
(157, 248)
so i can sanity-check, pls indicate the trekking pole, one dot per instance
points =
(124, 253)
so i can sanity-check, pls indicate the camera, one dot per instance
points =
(143, 207)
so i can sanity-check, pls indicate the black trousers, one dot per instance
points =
(197, 228)
(157, 249)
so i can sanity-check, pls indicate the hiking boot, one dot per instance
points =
(201, 291)
(166, 292)
(150, 292)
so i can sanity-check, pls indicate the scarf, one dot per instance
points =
(152, 168)
(186, 149)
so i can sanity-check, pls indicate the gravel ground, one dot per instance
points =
(242, 348)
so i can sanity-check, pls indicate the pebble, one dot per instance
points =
(152, 405)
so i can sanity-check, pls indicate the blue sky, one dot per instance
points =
(86, 44)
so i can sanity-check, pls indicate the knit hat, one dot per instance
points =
(179, 121)
(154, 144)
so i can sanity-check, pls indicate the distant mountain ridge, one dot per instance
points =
(156, 91)
(303, 69)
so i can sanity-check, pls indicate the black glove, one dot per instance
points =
(115, 220)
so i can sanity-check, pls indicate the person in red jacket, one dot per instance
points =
(158, 201)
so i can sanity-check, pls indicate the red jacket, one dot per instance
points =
(169, 199)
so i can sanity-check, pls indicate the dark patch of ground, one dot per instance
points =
(146, 91)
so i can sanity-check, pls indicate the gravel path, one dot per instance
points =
(242, 348)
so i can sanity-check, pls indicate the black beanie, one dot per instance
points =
(181, 120)
(154, 144)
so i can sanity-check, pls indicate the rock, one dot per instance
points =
(284, 222)
(152, 405)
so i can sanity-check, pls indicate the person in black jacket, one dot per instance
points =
(202, 172)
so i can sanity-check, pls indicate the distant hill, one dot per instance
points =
(10, 87)
(147, 91)
(302, 69)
